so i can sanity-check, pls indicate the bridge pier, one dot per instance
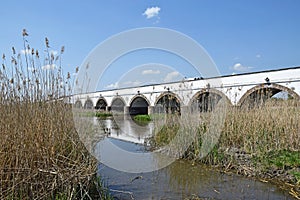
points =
(126, 112)
(150, 110)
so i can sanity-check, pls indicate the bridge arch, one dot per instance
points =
(88, 104)
(139, 105)
(206, 100)
(167, 102)
(101, 104)
(78, 104)
(117, 104)
(262, 92)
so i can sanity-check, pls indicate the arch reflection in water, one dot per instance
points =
(121, 159)
(131, 162)
(126, 130)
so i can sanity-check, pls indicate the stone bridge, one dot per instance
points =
(200, 94)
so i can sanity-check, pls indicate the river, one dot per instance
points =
(182, 179)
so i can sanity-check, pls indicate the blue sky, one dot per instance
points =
(240, 36)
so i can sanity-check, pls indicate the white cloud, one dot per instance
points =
(258, 56)
(113, 85)
(26, 51)
(241, 68)
(151, 12)
(123, 84)
(53, 52)
(131, 83)
(171, 76)
(150, 71)
(49, 67)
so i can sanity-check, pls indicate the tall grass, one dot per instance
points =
(273, 126)
(41, 155)
(263, 141)
(262, 131)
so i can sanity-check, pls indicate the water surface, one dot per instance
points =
(182, 179)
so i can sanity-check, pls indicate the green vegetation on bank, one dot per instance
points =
(103, 114)
(283, 159)
(297, 176)
(148, 118)
(142, 118)
(87, 113)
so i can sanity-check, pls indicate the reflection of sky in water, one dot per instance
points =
(181, 179)
(115, 154)
(127, 130)
(122, 159)
(135, 147)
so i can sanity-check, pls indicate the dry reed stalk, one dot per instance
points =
(41, 155)
(272, 126)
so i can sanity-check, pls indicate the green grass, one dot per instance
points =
(142, 118)
(103, 114)
(284, 159)
(297, 176)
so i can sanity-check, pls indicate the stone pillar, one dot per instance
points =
(107, 108)
(126, 112)
(150, 110)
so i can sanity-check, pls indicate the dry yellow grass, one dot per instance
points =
(269, 127)
(263, 141)
(41, 155)
(273, 126)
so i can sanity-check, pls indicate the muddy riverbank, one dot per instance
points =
(279, 168)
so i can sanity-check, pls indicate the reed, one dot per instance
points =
(274, 126)
(265, 137)
(41, 156)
